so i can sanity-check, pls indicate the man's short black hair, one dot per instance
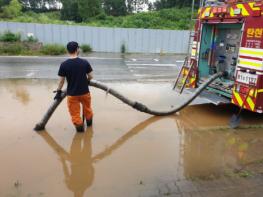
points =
(72, 47)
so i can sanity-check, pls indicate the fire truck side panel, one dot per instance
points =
(259, 102)
(215, 42)
(253, 33)
(249, 75)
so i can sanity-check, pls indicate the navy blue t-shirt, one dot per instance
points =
(76, 70)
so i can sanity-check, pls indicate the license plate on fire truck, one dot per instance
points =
(246, 78)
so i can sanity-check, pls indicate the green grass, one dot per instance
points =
(19, 48)
(12, 49)
(238, 173)
(86, 48)
(44, 18)
(174, 18)
(53, 49)
(11, 44)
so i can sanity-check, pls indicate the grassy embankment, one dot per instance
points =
(173, 19)
(12, 44)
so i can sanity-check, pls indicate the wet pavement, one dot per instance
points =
(125, 153)
(107, 67)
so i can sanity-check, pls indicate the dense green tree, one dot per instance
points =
(115, 7)
(13, 9)
(31, 4)
(89, 8)
(150, 6)
(70, 10)
(80, 10)
(4, 2)
(39, 5)
(136, 5)
(161, 4)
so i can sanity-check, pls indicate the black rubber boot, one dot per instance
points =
(89, 122)
(79, 128)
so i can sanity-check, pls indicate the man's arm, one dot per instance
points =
(60, 86)
(61, 83)
(90, 76)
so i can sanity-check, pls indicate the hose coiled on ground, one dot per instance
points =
(136, 105)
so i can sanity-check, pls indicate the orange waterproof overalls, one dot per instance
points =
(75, 70)
(74, 108)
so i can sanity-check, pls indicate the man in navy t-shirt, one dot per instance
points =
(78, 73)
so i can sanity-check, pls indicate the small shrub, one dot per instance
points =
(31, 39)
(10, 37)
(12, 49)
(101, 16)
(86, 48)
(123, 48)
(53, 49)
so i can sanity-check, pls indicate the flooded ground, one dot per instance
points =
(126, 153)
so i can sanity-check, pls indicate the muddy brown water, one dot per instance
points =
(125, 153)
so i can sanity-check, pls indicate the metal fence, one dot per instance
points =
(105, 39)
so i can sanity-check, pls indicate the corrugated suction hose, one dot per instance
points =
(134, 104)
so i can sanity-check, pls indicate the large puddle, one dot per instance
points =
(125, 153)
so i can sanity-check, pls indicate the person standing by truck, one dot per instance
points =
(78, 73)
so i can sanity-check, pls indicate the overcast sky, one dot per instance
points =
(152, 1)
(146, 6)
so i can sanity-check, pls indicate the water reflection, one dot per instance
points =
(18, 91)
(134, 131)
(203, 154)
(81, 174)
(212, 154)
(21, 94)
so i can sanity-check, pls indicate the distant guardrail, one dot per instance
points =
(103, 39)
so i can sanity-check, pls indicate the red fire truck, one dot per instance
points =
(228, 37)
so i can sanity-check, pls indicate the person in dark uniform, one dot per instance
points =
(78, 73)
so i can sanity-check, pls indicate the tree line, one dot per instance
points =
(85, 10)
